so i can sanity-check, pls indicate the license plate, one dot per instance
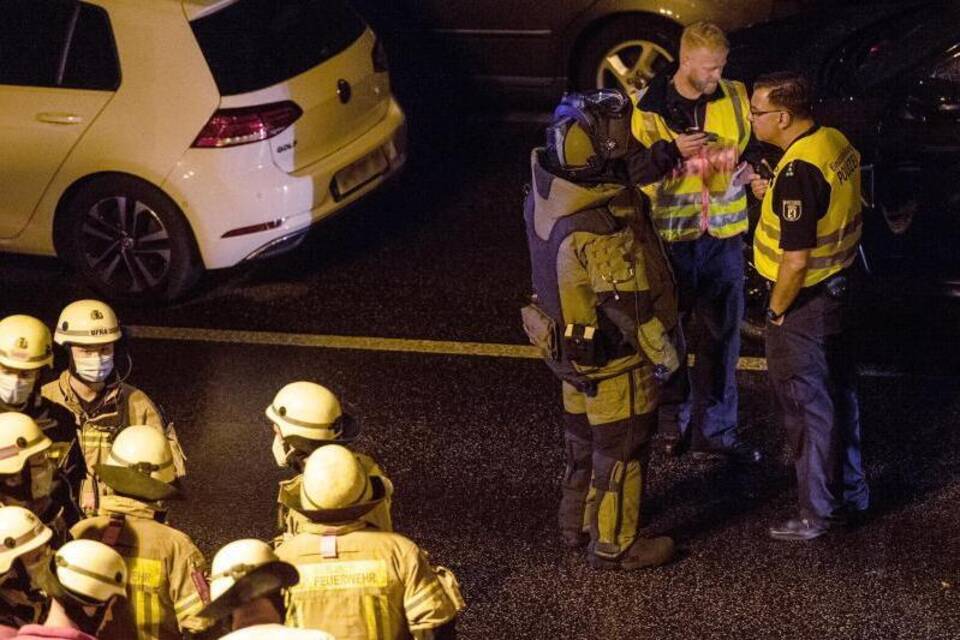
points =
(357, 174)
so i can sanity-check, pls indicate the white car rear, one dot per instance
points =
(166, 137)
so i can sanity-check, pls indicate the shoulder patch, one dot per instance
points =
(792, 210)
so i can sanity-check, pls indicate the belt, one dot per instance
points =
(835, 286)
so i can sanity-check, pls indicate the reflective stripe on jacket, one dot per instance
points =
(167, 586)
(699, 196)
(839, 230)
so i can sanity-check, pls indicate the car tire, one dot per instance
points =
(130, 241)
(625, 40)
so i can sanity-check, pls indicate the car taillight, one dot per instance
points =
(232, 127)
(379, 56)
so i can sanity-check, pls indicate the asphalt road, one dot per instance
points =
(473, 444)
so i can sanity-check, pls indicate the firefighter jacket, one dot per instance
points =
(167, 586)
(838, 230)
(20, 602)
(700, 196)
(289, 519)
(599, 271)
(358, 583)
(97, 424)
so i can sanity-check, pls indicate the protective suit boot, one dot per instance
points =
(644, 552)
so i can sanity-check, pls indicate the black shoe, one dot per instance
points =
(645, 552)
(800, 529)
(574, 539)
(847, 517)
(676, 446)
(740, 453)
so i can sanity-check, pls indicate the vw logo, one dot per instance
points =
(344, 91)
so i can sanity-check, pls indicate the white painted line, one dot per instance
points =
(437, 347)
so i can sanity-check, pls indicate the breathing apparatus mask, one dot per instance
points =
(588, 131)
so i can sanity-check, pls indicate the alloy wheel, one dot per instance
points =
(631, 65)
(126, 245)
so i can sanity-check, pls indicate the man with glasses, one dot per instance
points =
(806, 245)
(700, 210)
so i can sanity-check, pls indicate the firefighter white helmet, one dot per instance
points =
(87, 322)
(91, 570)
(242, 571)
(312, 412)
(20, 533)
(140, 464)
(20, 438)
(25, 343)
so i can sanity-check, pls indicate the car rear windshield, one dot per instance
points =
(253, 44)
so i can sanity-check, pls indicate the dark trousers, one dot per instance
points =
(813, 372)
(709, 275)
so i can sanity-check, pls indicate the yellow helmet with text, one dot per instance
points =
(25, 343)
(87, 322)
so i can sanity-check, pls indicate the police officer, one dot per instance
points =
(30, 476)
(90, 578)
(603, 305)
(167, 585)
(357, 582)
(26, 349)
(93, 389)
(246, 586)
(305, 416)
(700, 210)
(806, 244)
(24, 566)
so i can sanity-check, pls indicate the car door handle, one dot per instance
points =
(57, 117)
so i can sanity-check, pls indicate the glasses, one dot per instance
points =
(756, 114)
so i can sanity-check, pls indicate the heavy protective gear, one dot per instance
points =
(359, 583)
(87, 322)
(701, 196)
(22, 598)
(98, 424)
(91, 570)
(310, 412)
(243, 571)
(140, 465)
(25, 343)
(587, 131)
(166, 587)
(839, 230)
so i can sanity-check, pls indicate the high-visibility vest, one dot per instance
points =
(839, 230)
(697, 197)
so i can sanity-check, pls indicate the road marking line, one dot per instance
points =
(437, 347)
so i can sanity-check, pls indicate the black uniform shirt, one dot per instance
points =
(801, 197)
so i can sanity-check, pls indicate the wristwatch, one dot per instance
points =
(773, 316)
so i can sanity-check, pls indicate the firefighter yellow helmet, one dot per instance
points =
(242, 571)
(25, 343)
(87, 322)
(140, 464)
(20, 438)
(309, 411)
(91, 570)
(21, 532)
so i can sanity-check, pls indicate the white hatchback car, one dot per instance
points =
(145, 141)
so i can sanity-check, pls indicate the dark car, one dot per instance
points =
(889, 78)
(529, 52)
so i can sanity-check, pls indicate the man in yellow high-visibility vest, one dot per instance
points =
(806, 245)
(700, 210)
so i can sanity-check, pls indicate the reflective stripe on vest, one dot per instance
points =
(679, 201)
(840, 228)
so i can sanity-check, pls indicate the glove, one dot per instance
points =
(657, 346)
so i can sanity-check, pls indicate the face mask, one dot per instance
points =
(15, 390)
(280, 452)
(94, 368)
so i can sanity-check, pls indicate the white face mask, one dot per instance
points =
(94, 367)
(15, 390)
(280, 452)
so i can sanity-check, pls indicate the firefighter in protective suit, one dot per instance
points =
(602, 308)
(357, 582)
(93, 389)
(24, 566)
(246, 587)
(30, 476)
(306, 416)
(90, 577)
(167, 585)
(26, 350)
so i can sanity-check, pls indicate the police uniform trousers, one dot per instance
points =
(607, 442)
(709, 274)
(813, 372)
